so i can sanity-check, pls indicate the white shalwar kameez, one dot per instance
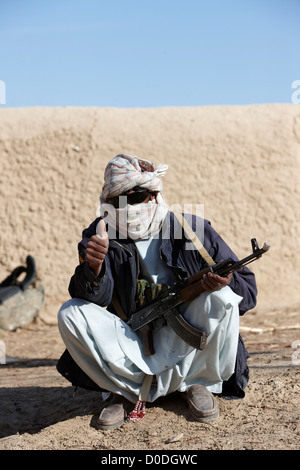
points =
(111, 353)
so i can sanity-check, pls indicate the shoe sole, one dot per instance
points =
(205, 419)
(104, 427)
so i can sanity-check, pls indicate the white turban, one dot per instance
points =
(139, 221)
(124, 172)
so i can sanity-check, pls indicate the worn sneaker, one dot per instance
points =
(113, 415)
(203, 405)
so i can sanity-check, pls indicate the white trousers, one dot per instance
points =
(111, 353)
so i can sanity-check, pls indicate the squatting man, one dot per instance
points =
(132, 245)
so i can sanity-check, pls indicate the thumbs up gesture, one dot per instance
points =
(97, 248)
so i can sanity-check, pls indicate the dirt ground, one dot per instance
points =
(39, 412)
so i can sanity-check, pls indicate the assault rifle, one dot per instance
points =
(163, 308)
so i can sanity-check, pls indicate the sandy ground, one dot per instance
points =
(39, 412)
(242, 164)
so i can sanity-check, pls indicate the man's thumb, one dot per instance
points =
(101, 229)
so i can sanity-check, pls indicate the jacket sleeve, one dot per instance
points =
(243, 282)
(84, 284)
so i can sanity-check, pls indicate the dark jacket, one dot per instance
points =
(121, 268)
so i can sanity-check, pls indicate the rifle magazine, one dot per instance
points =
(189, 333)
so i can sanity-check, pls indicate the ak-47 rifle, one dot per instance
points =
(146, 319)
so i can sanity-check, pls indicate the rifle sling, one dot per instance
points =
(189, 333)
(194, 239)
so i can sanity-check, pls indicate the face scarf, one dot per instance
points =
(138, 221)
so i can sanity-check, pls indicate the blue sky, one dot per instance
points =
(142, 53)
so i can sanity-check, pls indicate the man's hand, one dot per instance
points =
(213, 282)
(97, 248)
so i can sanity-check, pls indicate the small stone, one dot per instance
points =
(176, 438)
